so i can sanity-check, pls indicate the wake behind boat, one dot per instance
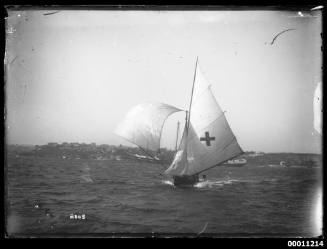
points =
(207, 139)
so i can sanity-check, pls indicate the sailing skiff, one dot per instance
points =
(207, 140)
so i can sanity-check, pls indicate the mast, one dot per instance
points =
(177, 135)
(188, 113)
(189, 109)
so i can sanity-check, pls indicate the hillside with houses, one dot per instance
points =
(92, 151)
(89, 151)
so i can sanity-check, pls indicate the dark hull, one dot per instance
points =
(185, 180)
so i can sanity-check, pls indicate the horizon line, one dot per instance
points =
(245, 151)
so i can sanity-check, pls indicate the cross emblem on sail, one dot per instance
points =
(207, 138)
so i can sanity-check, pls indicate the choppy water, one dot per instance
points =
(132, 197)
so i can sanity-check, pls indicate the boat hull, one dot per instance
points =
(185, 180)
(236, 163)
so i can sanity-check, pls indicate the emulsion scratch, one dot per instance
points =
(317, 109)
(13, 60)
(276, 36)
(51, 13)
(11, 30)
(318, 7)
(300, 14)
(25, 87)
(204, 228)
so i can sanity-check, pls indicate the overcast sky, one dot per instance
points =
(73, 75)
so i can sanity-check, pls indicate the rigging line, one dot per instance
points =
(12, 61)
(136, 145)
(182, 138)
(144, 136)
(179, 110)
(203, 229)
(272, 42)
(146, 152)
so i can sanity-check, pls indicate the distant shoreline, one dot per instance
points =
(125, 146)
(80, 151)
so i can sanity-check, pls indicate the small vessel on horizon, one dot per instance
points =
(146, 158)
(236, 162)
(283, 164)
(207, 140)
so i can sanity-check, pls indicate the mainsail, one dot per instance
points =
(143, 124)
(207, 138)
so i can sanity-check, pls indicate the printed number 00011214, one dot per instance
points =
(308, 243)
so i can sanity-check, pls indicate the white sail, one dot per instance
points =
(209, 140)
(143, 124)
(188, 153)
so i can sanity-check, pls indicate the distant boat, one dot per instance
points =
(283, 164)
(255, 154)
(146, 158)
(236, 162)
(207, 140)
